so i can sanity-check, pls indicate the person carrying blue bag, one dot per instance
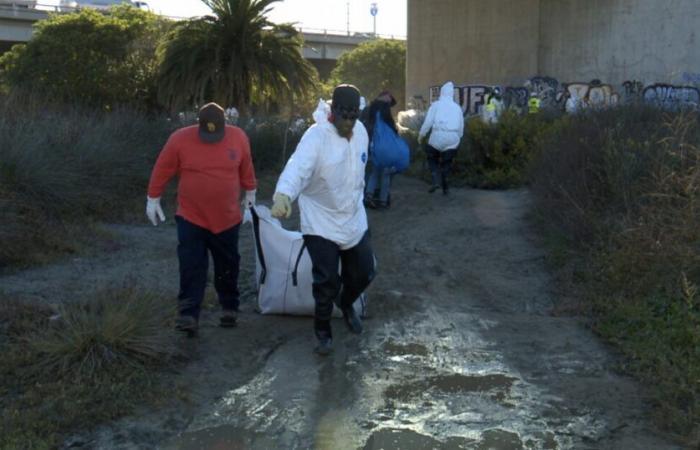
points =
(389, 153)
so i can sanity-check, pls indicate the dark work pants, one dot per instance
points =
(193, 244)
(357, 271)
(440, 164)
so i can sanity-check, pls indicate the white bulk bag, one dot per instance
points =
(283, 268)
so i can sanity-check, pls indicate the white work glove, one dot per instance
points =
(154, 211)
(249, 200)
(282, 206)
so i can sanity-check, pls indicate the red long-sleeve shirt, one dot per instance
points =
(211, 176)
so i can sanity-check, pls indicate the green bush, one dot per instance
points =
(373, 66)
(500, 155)
(90, 58)
(492, 155)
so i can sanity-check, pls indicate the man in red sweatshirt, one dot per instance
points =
(214, 165)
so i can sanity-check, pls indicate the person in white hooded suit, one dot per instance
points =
(326, 172)
(445, 123)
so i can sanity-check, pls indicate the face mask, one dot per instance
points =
(346, 113)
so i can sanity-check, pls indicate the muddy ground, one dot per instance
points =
(460, 351)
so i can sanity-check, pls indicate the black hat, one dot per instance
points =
(389, 98)
(346, 96)
(212, 124)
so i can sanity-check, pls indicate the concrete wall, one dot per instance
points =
(619, 40)
(470, 42)
(509, 41)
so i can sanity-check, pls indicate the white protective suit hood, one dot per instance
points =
(444, 121)
(322, 111)
(447, 91)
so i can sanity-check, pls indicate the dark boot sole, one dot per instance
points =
(228, 322)
(190, 332)
(323, 351)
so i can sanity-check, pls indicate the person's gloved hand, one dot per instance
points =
(154, 211)
(282, 206)
(249, 199)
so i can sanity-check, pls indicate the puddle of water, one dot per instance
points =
(544, 441)
(499, 440)
(225, 437)
(393, 348)
(449, 384)
(392, 438)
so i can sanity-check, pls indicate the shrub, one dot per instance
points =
(623, 185)
(273, 140)
(499, 155)
(86, 57)
(61, 165)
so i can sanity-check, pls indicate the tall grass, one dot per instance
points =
(623, 187)
(63, 165)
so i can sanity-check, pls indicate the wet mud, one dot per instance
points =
(459, 351)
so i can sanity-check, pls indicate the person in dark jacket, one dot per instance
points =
(379, 177)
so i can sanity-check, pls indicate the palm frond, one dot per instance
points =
(234, 57)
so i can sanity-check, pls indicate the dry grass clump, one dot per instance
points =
(72, 367)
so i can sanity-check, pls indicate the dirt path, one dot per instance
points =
(460, 350)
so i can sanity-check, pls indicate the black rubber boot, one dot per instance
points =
(352, 320)
(324, 337)
(229, 318)
(187, 324)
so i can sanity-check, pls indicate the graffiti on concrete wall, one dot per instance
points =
(632, 90)
(473, 98)
(548, 90)
(435, 94)
(515, 97)
(469, 97)
(672, 97)
(594, 94)
(573, 96)
(601, 95)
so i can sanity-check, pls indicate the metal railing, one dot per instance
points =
(350, 33)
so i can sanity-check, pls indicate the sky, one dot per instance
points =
(315, 15)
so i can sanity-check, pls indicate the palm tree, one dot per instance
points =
(234, 57)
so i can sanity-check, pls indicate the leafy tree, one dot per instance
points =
(236, 57)
(89, 57)
(374, 66)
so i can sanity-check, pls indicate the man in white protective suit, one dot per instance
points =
(445, 123)
(326, 173)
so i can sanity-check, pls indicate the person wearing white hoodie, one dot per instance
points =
(327, 173)
(445, 123)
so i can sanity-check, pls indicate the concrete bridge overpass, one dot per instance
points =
(321, 47)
